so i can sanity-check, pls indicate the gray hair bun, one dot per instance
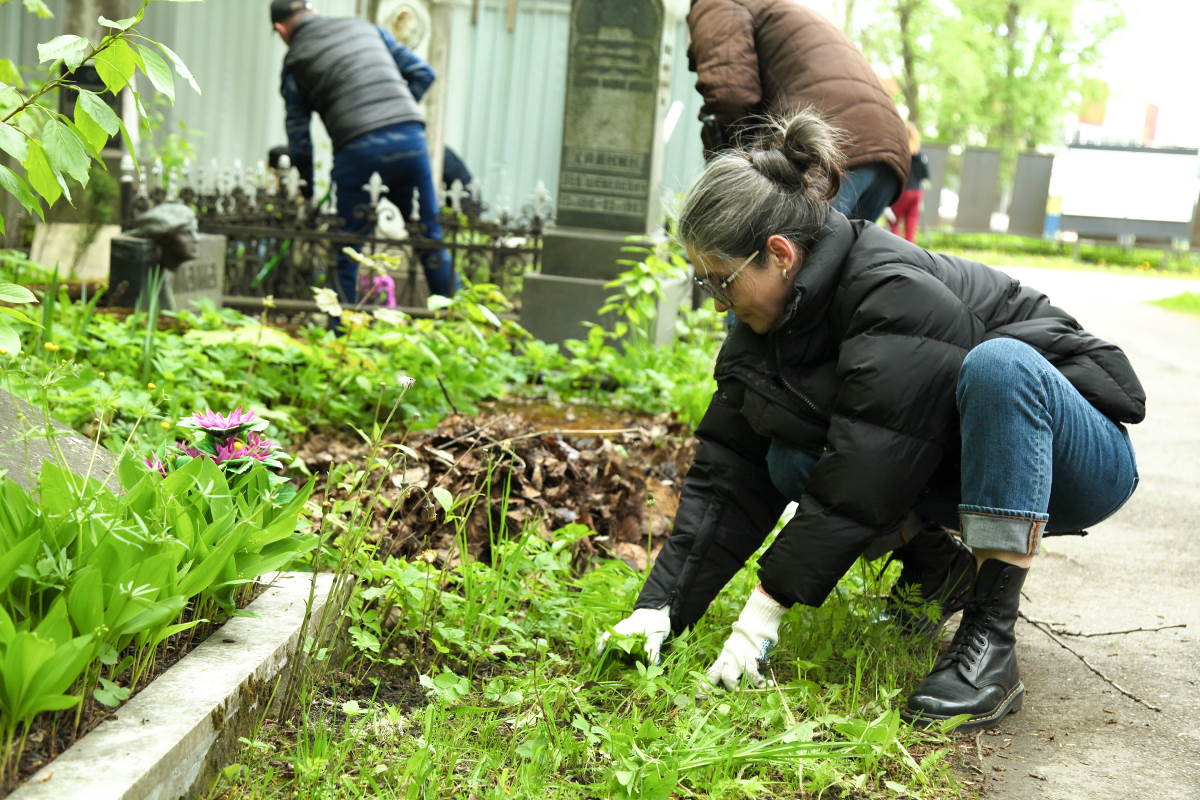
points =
(802, 153)
(783, 185)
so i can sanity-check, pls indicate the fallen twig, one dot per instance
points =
(480, 431)
(1044, 628)
(1061, 631)
(446, 393)
(569, 432)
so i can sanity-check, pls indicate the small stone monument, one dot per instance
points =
(617, 92)
(166, 237)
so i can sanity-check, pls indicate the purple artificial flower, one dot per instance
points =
(224, 425)
(255, 447)
(185, 449)
(386, 286)
(261, 447)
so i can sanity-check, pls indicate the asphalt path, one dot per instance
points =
(1079, 736)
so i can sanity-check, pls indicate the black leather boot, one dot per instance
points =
(938, 569)
(978, 675)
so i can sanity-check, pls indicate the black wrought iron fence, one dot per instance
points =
(282, 246)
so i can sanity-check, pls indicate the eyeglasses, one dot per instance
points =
(717, 291)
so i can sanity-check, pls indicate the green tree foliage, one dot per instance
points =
(55, 153)
(995, 73)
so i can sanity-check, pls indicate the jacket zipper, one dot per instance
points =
(783, 379)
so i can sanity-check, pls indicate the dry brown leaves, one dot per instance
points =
(513, 469)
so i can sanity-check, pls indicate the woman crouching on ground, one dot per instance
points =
(893, 393)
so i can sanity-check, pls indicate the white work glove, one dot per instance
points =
(754, 634)
(653, 623)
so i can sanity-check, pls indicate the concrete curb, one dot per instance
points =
(172, 737)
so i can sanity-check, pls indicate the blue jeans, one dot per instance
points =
(866, 191)
(1036, 456)
(398, 154)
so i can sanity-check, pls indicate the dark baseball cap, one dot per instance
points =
(283, 10)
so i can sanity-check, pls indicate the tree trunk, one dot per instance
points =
(82, 15)
(848, 19)
(912, 96)
(1008, 112)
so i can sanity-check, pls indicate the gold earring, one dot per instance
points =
(783, 273)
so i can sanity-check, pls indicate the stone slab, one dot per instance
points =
(129, 264)
(554, 308)
(56, 246)
(676, 293)
(580, 253)
(1143, 230)
(27, 439)
(171, 738)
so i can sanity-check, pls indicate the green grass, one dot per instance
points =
(480, 680)
(124, 380)
(1186, 303)
(1008, 250)
(998, 258)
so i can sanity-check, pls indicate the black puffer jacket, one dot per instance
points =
(862, 369)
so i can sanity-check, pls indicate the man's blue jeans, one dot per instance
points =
(399, 155)
(866, 191)
(1036, 456)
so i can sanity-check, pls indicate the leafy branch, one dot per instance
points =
(54, 148)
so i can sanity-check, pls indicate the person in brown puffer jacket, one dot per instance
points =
(755, 58)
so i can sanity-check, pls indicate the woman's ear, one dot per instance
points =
(785, 253)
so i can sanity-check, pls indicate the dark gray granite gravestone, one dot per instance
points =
(1031, 189)
(978, 194)
(938, 155)
(614, 81)
(129, 264)
(26, 440)
(617, 90)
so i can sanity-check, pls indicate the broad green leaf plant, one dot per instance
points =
(92, 582)
(56, 152)
(10, 340)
